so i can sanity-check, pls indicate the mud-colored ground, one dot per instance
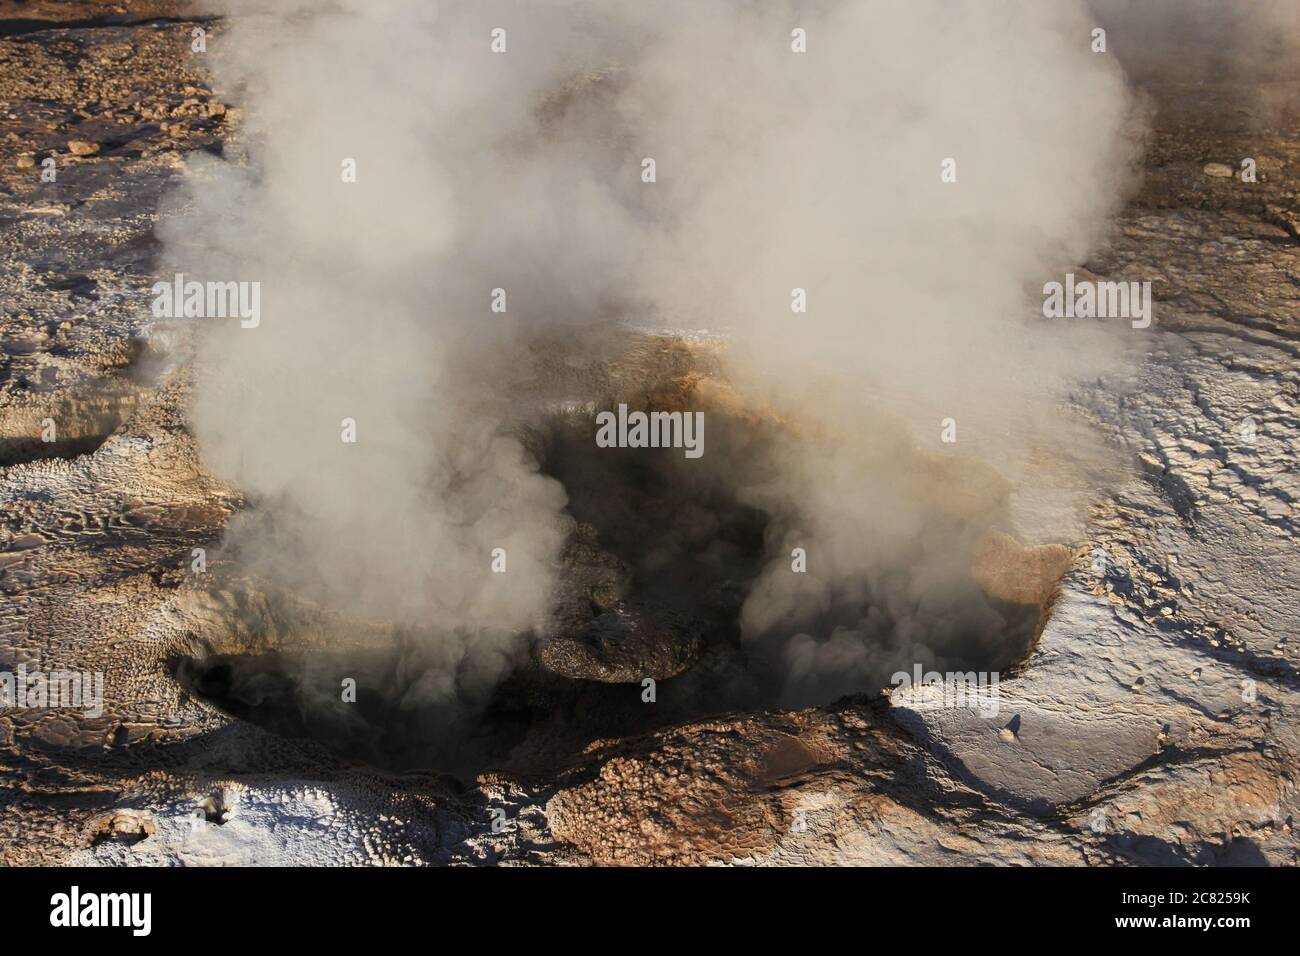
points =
(1153, 722)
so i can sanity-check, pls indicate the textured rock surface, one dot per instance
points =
(625, 644)
(1153, 723)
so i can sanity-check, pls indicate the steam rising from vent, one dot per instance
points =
(521, 171)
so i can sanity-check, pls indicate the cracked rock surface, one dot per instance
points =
(1154, 721)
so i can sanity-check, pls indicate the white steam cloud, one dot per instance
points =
(522, 170)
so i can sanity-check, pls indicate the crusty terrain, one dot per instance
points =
(1154, 721)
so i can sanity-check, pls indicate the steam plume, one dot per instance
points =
(775, 170)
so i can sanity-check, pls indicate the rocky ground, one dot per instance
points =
(1152, 723)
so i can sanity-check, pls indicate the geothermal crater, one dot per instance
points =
(662, 555)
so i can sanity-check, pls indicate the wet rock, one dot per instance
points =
(595, 634)
(592, 579)
(625, 645)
